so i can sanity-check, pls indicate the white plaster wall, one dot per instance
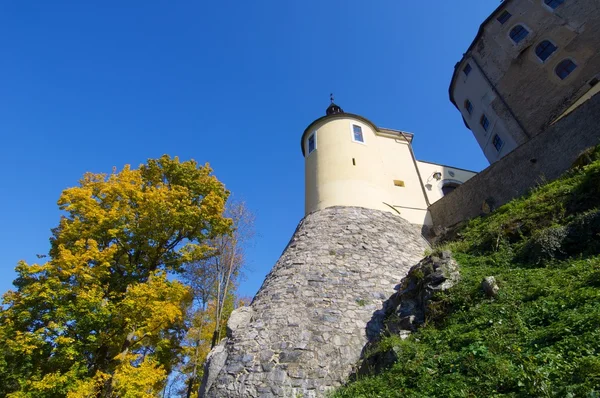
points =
(476, 89)
(433, 187)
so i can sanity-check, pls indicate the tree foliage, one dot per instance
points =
(213, 282)
(102, 317)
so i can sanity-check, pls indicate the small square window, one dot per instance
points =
(518, 33)
(312, 142)
(497, 141)
(505, 16)
(485, 123)
(553, 3)
(469, 106)
(467, 69)
(357, 133)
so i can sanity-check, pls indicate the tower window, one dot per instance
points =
(505, 16)
(485, 123)
(544, 50)
(497, 142)
(357, 134)
(565, 68)
(312, 142)
(518, 33)
(469, 106)
(467, 69)
(553, 3)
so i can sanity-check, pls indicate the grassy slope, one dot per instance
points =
(541, 336)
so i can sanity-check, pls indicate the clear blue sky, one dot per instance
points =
(88, 85)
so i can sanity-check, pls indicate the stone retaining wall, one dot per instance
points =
(543, 158)
(306, 327)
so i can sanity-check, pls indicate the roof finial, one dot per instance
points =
(333, 108)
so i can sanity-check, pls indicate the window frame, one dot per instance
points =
(546, 3)
(362, 133)
(572, 61)
(496, 139)
(523, 28)
(314, 136)
(468, 108)
(535, 50)
(504, 16)
(467, 69)
(487, 125)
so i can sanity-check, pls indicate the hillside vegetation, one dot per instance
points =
(540, 337)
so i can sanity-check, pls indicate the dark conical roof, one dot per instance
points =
(332, 109)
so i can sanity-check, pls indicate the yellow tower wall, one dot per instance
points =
(342, 172)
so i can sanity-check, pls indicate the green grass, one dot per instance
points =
(541, 336)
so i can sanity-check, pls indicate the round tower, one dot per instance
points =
(343, 165)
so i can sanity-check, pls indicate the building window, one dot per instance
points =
(544, 50)
(467, 69)
(565, 68)
(553, 3)
(449, 187)
(505, 16)
(485, 123)
(312, 142)
(357, 134)
(518, 33)
(497, 141)
(469, 106)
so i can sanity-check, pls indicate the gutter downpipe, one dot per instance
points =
(412, 153)
(501, 98)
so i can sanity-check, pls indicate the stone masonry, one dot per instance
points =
(317, 308)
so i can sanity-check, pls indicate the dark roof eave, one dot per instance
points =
(342, 115)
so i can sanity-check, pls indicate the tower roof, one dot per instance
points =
(333, 109)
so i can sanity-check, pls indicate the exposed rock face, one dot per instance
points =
(307, 325)
(408, 308)
(489, 286)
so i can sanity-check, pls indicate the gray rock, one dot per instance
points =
(239, 317)
(305, 329)
(489, 286)
(407, 309)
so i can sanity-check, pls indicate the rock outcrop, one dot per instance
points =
(410, 306)
(305, 329)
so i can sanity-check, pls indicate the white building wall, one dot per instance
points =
(447, 176)
(475, 88)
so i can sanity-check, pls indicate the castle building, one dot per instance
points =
(349, 161)
(366, 205)
(531, 62)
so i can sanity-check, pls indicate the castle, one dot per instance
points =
(530, 63)
(369, 201)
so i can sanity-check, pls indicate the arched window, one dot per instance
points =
(469, 106)
(544, 50)
(518, 33)
(564, 68)
(553, 3)
(449, 187)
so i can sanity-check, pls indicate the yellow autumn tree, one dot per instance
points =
(102, 318)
